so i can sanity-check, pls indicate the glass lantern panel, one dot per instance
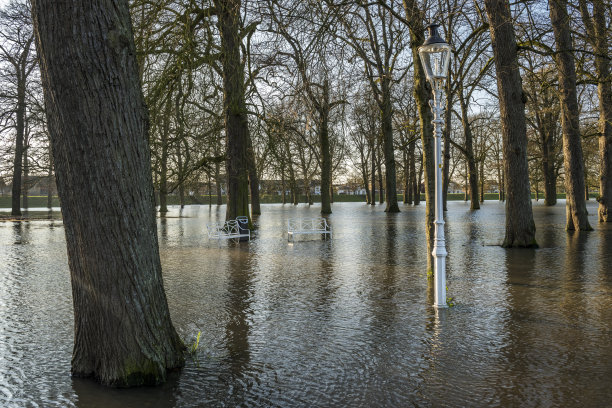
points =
(435, 59)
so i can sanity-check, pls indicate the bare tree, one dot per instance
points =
(576, 212)
(98, 128)
(598, 36)
(520, 228)
(17, 49)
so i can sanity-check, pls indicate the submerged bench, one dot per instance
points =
(229, 229)
(304, 226)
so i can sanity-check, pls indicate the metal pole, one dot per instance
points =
(439, 250)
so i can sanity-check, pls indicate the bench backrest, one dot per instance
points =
(296, 224)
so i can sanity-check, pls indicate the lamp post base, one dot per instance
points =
(439, 279)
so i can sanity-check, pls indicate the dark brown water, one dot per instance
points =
(340, 323)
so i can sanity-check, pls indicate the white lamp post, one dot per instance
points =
(435, 57)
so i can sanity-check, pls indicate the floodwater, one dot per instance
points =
(346, 322)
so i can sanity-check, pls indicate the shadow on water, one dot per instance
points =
(92, 395)
(238, 306)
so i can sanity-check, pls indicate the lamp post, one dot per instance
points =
(435, 57)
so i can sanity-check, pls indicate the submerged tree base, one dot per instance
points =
(520, 244)
(150, 375)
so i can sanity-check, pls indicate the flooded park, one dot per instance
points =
(346, 322)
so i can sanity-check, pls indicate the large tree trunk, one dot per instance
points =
(325, 151)
(389, 150)
(520, 228)
(422, 93)
(598, 37)
(234, 106)
(98, 127)
(604, 92)
(576, 212)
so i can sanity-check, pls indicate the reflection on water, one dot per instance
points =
(342, 322)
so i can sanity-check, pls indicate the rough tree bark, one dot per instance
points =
(597, 34)
(575, 204)
(520, 228)
(422, 94)
(323, 110)
(98, 127)
(234, 106)
(388, 147)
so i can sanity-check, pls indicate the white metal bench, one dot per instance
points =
(228, 230)
(304, 226)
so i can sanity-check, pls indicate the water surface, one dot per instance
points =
(331, 323)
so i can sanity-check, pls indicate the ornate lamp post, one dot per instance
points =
(435, 57)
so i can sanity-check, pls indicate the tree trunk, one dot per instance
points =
(325, 151)
(447, 135)
(412, 165)
(520, 228)
(50, 180)
(406, 175)
(381, 190)
(283, 186)
(466, 193)
(548, 160)
(234, 106)
(181, 172)
(389, 150)
(253, 181)
(417, 183)
(598, 37)
(469, 153)
(218, 183)
(373, 149)
(575, 209)
(292, 181)
(482, 181)
(98, 126)
(19, 141)
(26, 179)
(422, 94)
(364, 175)
(163, 165)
